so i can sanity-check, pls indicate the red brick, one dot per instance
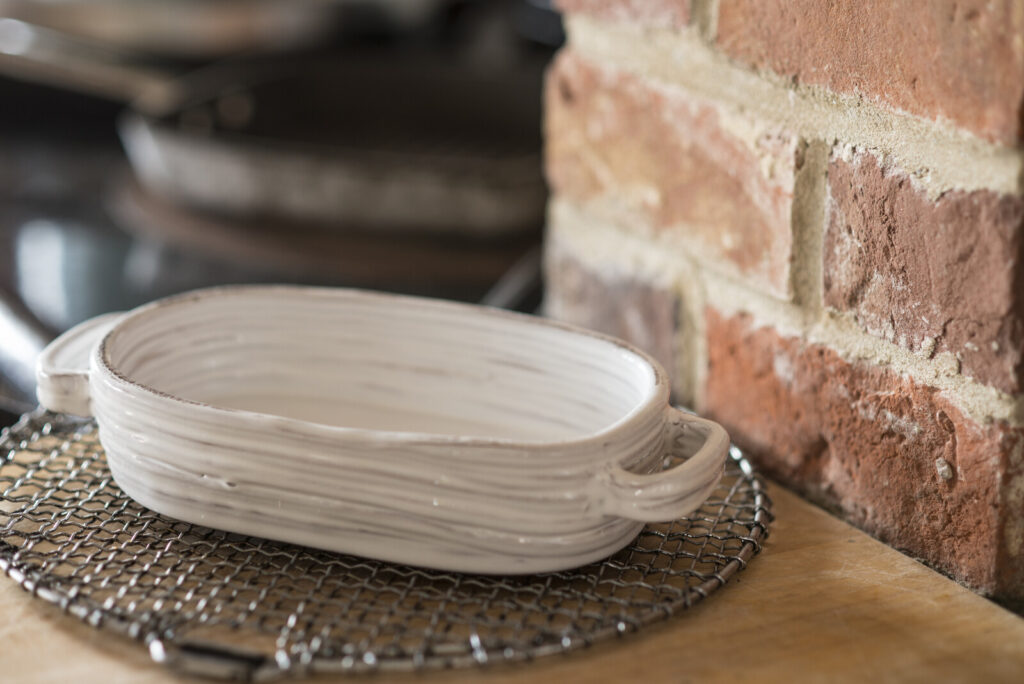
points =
(670, 14)
(865, 440)
(958, 60)
(628, 307)
(610, 134)
(947, 273)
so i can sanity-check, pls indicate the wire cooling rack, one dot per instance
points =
(224, 605)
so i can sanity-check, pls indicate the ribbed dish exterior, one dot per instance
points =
(473, 500)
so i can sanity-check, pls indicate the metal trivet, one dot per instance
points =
(225, 605)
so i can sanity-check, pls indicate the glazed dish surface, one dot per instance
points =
(424, 432)
(378, 362)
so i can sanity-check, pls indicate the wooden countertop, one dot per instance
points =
(823, 602)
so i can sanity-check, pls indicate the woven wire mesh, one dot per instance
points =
(213, 603)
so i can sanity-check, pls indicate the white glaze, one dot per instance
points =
(413, 430)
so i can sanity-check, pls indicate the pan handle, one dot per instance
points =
(62, 371)
(35, 53)
(518, 284)
(22, 337)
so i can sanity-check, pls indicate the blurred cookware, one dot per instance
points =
(403, 142)
(358, 257)
(22, 338)
(205, 29)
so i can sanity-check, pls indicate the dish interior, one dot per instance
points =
(382, 363)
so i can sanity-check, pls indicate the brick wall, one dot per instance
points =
(811, 213)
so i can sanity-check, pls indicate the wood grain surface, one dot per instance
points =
(822, 603)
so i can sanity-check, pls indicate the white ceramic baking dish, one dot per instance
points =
(418, 431)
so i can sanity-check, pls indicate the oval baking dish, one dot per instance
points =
(417, 431)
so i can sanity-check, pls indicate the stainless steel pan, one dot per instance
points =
(425, 265)
(403, 143)
(206, 29)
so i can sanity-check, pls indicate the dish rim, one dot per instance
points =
(655, 399)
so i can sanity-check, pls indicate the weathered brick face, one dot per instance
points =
(932, 276)
(849, 176)
(956, 60)
(611, 134)
(864, 440)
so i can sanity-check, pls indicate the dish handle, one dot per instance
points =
(62, 369)
(678, 491)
